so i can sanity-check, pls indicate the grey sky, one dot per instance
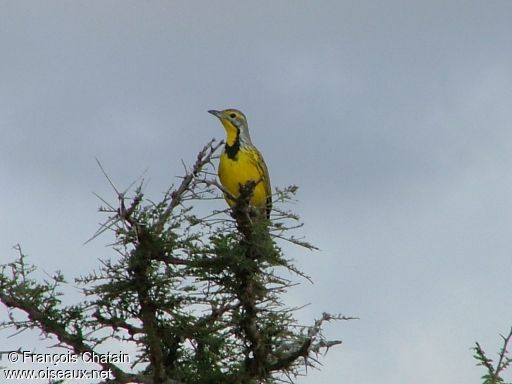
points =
(392, 117)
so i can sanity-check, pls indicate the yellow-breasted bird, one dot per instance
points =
(241, 162)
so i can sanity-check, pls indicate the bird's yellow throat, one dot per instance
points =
(232, 133)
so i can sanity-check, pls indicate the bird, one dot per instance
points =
(241, 162)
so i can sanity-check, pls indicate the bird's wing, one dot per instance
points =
(258, 161)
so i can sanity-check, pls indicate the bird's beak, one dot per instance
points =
(215, 113)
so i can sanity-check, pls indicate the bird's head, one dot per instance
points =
(235, 123)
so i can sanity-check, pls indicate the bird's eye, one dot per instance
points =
(233, 115)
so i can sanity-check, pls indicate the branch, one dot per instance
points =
(203, 158)
(53, 327)
(116, 322)
(493, 373)
(291, 353)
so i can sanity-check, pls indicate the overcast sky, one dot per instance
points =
(393, 117)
